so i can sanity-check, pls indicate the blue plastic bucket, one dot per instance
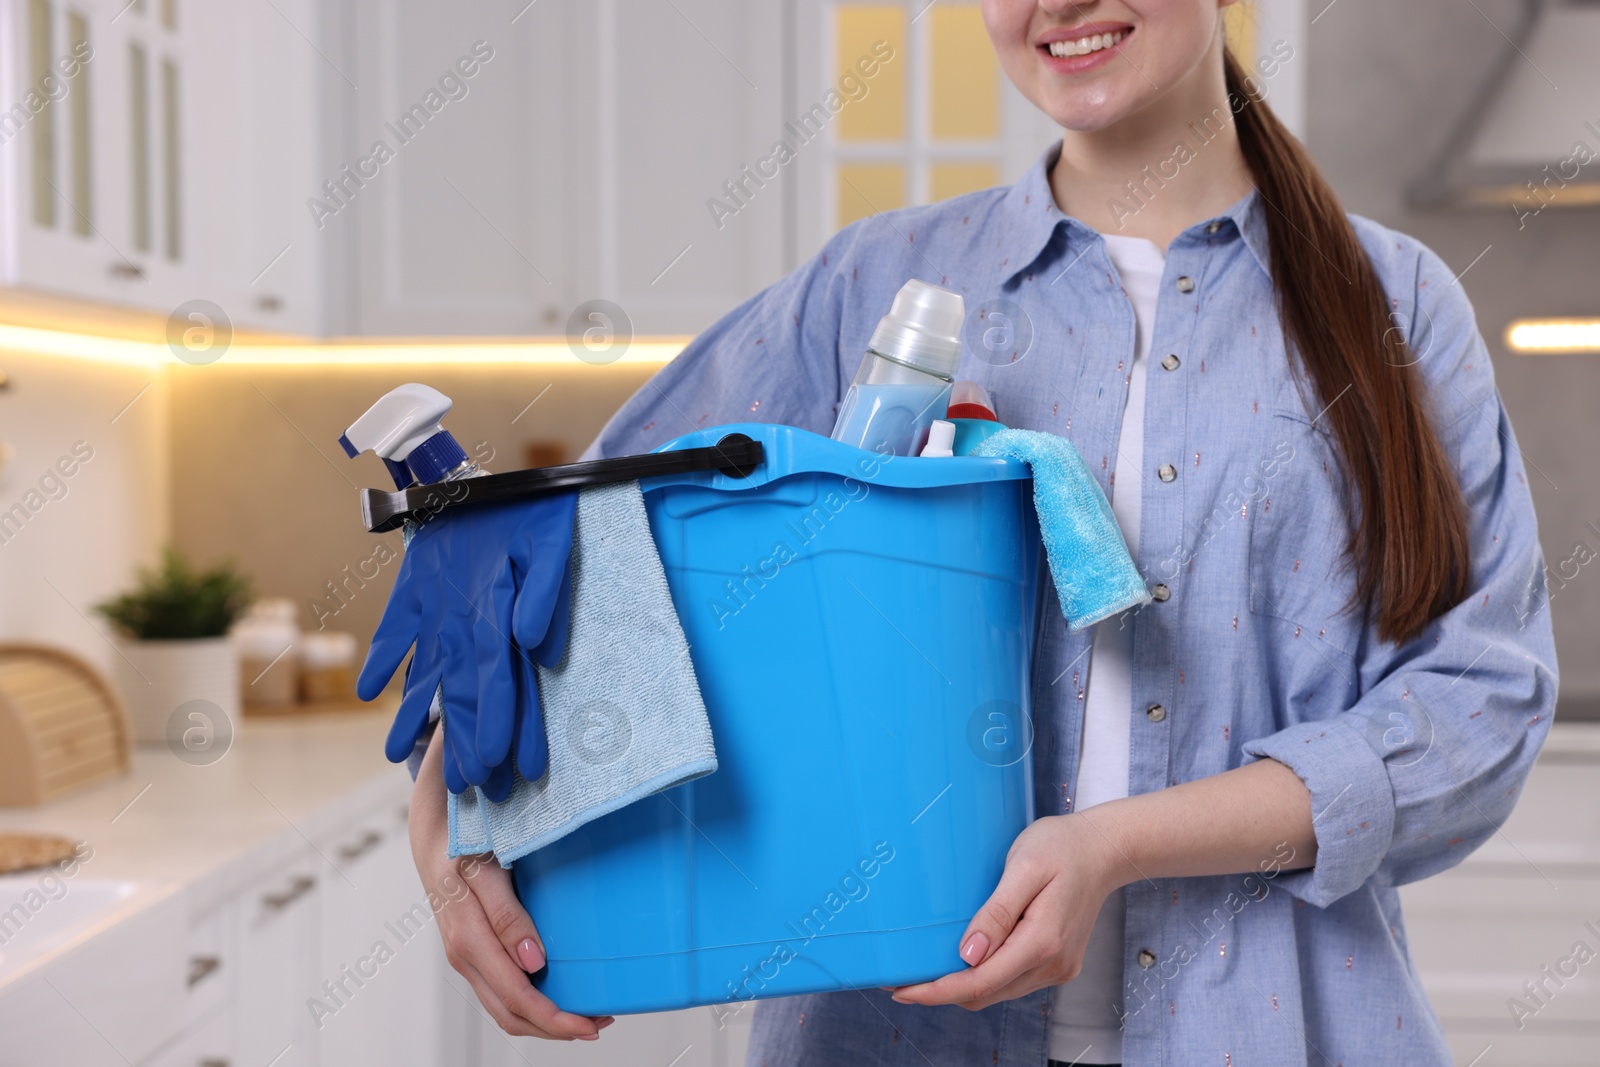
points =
(862, 629)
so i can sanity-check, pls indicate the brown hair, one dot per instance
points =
(1408, 532)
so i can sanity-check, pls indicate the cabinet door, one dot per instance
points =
(208, 1044)
(271, 93)
(100, 177)
(277, 955)
(380, 948)
(43, 1028)
(578, 164)
(673, 109)
(66, 151)
(454, 173)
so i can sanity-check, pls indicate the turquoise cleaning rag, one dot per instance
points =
(1094, 575)
(622, 709)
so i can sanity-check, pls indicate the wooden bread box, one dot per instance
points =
(62, 725)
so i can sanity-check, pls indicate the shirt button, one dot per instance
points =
(1170, 363)
(1185, 284)
(1160, 592)
(1214, 227)
(1166, 472)
(1155, 713)
(1147, 959)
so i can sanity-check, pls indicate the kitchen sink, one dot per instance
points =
(42, 912)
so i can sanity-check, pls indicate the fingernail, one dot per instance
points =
(528, 955)
(974, 949)
(588, 1037)
(607, 1021)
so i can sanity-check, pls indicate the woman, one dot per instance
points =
(1347, 671)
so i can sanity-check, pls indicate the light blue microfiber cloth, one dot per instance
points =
(622, 709)
(1094, 575)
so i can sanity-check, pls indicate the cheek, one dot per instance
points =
(1178, 35)
(1008, 22)
(1011, 24)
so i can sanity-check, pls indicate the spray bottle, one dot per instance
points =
(403, 429)
(904, 381)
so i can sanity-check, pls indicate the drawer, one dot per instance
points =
(210, 957)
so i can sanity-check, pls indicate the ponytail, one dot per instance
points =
(1408, 533)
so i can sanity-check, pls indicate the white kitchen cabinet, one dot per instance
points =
(284, 966)
(380, 945)
(175, 163)
(560, 176)
(458, 208)
(208, 1044)
(270, 95)
(276, 966)
(208, 1036)
(669, 103)
(99, 176)
(404, 168)
(43, 1028)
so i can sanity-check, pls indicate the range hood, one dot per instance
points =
(1530, 136)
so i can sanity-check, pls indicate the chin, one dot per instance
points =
(1084, 101)
(1083, 112)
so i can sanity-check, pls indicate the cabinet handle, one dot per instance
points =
(215, 1063)
(297, 889)
(200, 966)
(130, 271)
(369, 841)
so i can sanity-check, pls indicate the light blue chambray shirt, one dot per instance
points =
(1414, 755)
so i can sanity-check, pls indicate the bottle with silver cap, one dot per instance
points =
(904, 381)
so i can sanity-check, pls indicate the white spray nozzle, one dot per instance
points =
(403, 429)
(402, 419)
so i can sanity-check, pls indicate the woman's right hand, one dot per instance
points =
(488, 937)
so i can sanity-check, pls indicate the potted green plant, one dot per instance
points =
(174, 642)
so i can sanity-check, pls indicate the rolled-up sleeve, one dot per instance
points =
(774, 358)
(1429, 761)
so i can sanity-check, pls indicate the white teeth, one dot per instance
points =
(1084, 45)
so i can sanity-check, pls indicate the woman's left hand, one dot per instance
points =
(1033, 929)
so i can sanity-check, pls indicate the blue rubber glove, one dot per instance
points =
(477, 587)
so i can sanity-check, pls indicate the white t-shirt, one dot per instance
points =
(1084, 1024)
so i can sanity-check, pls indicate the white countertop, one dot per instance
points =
(170, 826)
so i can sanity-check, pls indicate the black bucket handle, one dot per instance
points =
(735, 455)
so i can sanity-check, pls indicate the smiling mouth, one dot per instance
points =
(1082, 46)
